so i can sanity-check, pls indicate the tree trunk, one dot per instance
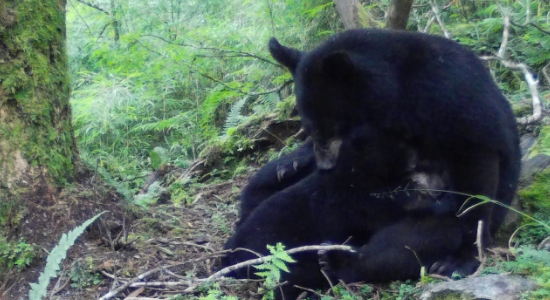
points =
(36, 134)
(399, 14)
(347, 9)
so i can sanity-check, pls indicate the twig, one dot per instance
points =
(531, 23)
(83, 20)
(479, 243)
(142, 276)
(94, 6)
(240, 53)
(514, 234)
(441, 277)
(328, 279)
(309, 290)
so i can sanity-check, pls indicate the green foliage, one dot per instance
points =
(535, 263)
(271, 269)
(181, 75)
(58, 253)
(15, 254)
(151, 197)
(535, 197)
(83, 275)
(215, 294)
(157, 157)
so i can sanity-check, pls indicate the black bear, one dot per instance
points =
(348, 200)
(429, 180)
(426, 90)
(276, 176)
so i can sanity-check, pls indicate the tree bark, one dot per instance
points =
(398, 15)
(348, 11)
(36, 134)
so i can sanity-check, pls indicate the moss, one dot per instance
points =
(535, 197)
(543, 142)
(11, 213)
(35, 114)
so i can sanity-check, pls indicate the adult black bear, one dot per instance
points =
(276, 176)
(332, 205)
(426, 90)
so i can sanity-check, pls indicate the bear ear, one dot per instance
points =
(288, 57)
(338, 64)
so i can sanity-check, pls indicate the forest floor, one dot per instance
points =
(179, 242)
(170, 242)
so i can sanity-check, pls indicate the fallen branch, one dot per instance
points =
(533, 88)
(229, 269)
(192, 284)
(529, 78)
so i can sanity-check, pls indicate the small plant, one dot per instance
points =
(271, 270)
(15, 254)
(58, 253)
(82, 275)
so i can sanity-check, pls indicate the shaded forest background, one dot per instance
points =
(176, 103)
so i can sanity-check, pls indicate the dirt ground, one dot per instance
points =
(183, 242)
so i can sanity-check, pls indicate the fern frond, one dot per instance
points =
(58, 253)
(234, 117)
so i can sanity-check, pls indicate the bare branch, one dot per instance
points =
(83, 21)
(531, 24)
(533, 88)
(438, 18)
(94, 6)
(243, 264)
(238, 53)
(505, 35)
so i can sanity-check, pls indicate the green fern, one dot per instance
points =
(235, 117)
(58, 253)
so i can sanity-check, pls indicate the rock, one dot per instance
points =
(491, 287)
(526, 142)
(532, 166)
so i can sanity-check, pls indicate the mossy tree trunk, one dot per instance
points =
(37, 143)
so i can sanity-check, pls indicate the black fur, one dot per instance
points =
(276, 176)
(426, 90)
(346, 201)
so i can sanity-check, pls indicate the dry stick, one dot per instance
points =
(480, 254)
(309, 290)
(328, 279)
(513, 235)
(216, 276)
(529, 78)
(113, 293)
